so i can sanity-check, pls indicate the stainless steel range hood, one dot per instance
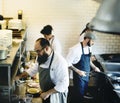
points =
(107, 18)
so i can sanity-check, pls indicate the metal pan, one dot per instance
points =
(114, 76)
(34, 91)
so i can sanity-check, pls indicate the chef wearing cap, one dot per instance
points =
(79, 61)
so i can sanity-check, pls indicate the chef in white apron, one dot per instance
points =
(79, 60)
(53, 73)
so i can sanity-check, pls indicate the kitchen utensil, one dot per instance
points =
(114, 76)
(29, 98)
(3, 53)
(14, 98)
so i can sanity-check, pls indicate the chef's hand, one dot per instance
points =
(44, 95)
(81, 73)
(16, 78)
(96, 69)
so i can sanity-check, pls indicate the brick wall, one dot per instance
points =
(107, 43)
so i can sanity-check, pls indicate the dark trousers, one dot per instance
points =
(76, 92)
(73, 96)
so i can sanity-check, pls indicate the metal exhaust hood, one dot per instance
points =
(107, 18)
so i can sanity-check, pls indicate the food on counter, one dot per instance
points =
(33, 90)
(37, 80)
(34, 85)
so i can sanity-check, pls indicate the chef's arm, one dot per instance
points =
(23, 75)
(45, 95)
(95, 68)
(80, 72)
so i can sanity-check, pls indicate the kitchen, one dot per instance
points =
(67, 17)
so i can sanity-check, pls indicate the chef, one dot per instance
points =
(47, 33)
(79, 61)
(53, 73)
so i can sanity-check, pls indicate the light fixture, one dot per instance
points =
(20, 12)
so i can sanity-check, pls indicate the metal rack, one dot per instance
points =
(8, 70)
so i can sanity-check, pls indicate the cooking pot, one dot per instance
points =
(3, 53)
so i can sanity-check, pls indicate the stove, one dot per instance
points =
(109, 62)
(104, 87)
(114, 78)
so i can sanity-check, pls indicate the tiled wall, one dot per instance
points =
(107, 43)
(68, 18)
(0, 6)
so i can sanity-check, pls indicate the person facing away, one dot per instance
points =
(53, 73)
(47, 33)
(79, 61)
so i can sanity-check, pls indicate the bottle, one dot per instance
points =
(28, 57)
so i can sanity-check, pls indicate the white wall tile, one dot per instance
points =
(68, 18)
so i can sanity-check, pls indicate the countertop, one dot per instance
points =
(21, 90)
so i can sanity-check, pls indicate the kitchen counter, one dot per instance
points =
(21, 90)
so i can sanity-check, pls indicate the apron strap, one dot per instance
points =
(83, 49)
(51, 60)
